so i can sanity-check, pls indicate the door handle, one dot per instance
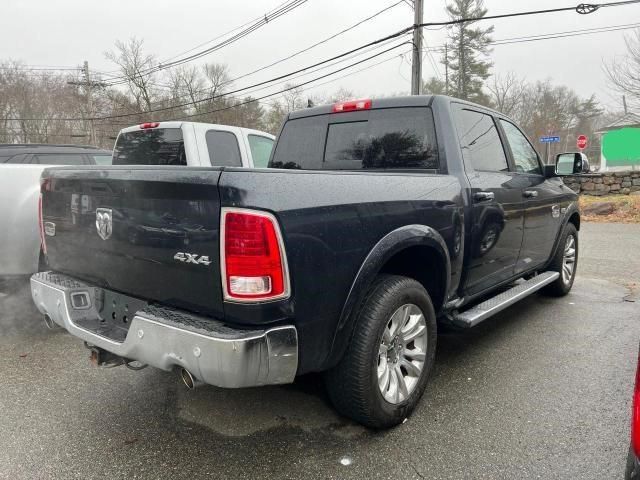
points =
(484, 196)
(530, 193)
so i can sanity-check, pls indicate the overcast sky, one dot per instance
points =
(66, 32)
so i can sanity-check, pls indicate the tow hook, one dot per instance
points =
(102, 358)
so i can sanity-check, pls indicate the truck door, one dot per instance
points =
(496, 202)
(542, 200)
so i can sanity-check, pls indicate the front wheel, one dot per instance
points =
(565, 262)
(384, 372)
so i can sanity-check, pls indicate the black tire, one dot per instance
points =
(560, 287)
(353, 384)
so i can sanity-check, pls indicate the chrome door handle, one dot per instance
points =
(530, 193)
(484, 196)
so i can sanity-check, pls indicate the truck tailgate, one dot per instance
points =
(151, 232)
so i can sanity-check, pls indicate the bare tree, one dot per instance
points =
(293, 97)
(137, 70)
(507, 92)
(624, 74)
(218, 77)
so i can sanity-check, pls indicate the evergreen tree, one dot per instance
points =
(468, 47)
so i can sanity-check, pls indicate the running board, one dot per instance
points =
(482, 311)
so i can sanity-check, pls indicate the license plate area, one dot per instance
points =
(109, 313)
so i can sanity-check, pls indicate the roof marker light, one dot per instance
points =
(147, 125)
(352, 105)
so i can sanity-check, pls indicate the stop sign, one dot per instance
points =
(582, 142)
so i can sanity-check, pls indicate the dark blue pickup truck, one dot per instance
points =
(376, 221)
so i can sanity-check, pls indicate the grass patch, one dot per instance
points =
(626, 208)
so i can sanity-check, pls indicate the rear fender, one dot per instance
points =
(391, 244)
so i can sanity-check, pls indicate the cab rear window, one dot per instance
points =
(392, 138)
(159, 146)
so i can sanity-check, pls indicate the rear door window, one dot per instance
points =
(60, 159)
(260, 150)
(480, 141)
(393, 138)
(223, 149)
(159, 146)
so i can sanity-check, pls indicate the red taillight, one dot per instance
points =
(147, 125)
(252, 257)
(635, 414)
(41, 225)
(352, 105)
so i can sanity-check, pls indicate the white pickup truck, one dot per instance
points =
(165, 143)
(192, 144)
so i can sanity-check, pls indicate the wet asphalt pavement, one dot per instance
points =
(542, 390)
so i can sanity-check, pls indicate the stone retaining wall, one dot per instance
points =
(623, 183)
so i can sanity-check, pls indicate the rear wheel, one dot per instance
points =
(384, 372)
(565, 262)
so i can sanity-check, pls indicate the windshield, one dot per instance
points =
(160, 146)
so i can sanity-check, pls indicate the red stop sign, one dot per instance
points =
(582, 142)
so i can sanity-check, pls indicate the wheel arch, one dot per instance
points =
(414, 251)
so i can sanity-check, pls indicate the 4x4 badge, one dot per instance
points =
(104, 222)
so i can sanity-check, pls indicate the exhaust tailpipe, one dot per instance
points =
(48, 321)
(189, 380)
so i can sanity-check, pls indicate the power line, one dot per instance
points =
(293, 86)
(295, 54)
(290, 6)
(582, 8)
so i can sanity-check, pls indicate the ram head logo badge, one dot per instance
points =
(104, 222)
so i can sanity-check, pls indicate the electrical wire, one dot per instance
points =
(290, 6)
(582, 8)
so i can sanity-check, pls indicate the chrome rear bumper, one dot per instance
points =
(166, 338)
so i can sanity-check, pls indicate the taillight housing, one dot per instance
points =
(635, 414)
(41, 225)
(148, 125)
(352, 105)
(253, 261)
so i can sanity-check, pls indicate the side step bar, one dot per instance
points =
(482, 311)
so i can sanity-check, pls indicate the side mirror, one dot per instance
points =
(571, 164)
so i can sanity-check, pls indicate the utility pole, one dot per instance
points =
(416, 64)
(88, 85)
(87, 77)
(446, 69)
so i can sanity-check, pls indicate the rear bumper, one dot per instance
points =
(167, 338)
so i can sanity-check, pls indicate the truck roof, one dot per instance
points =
(216, 126)
(388, 102)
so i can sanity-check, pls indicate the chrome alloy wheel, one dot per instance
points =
(569, 259)
(402, 353)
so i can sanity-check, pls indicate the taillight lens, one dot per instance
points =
(41, 225)
(252, 257)
(635, 415)
(147, 125)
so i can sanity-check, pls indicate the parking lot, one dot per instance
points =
(542, 390)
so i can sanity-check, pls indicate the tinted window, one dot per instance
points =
(480, 142)
(260, 150)
(291, 152)
(102, 159)
(524, 155)
(402, 138)
(163, 146)
(223, 149)
(59, 159)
